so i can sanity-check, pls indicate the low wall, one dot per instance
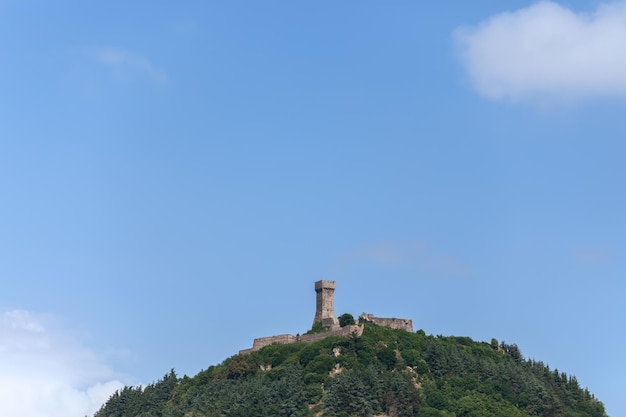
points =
(280, 339)
(343, 332)
(261, 342)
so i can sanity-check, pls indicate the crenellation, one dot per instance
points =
(325, 284)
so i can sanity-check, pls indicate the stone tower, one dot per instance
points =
(325, 304)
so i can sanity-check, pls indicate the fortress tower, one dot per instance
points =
(325, 304)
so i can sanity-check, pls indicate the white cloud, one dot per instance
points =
(548, 51)
(128, 64)
(43, 373)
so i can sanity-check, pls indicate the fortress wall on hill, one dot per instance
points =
(261, 342)
(343, 332)
(394, 323)
(280, 339)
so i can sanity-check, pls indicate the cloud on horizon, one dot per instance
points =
(547, 51)
(43, 372)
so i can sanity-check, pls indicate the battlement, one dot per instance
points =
(323, 284)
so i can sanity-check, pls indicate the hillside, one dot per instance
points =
(383, 372)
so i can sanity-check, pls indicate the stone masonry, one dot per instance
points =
(325, 313)
(394, 323)
(261, 342)
(325, 304)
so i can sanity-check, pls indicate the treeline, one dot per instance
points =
(384, 371)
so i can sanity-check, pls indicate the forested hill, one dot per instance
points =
(384, 372)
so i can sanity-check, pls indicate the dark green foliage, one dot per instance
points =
(318, 327)
(513, 351)
(411, 357)
(384, 371)
(494, 343)
(355, 392)
(147, 402)
(321, 365)
(346, 319)
(387, 357)
(308, 353)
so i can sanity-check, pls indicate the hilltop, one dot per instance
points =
(376, 367)
(382, 372)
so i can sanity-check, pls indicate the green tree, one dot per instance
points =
(346, 319)
(388, 357)
(318, 327)
(494, 344)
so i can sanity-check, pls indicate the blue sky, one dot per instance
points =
(174, 178)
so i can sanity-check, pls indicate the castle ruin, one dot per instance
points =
(325, 314)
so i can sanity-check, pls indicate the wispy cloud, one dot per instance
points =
(547, 51)
(592, 255)
(43, 372)
(416, 256)
(127, 64)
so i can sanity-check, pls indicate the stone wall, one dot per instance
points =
(261, 342)
(394, 323)
(342, 331)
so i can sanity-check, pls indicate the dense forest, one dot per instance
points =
(384, 372)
